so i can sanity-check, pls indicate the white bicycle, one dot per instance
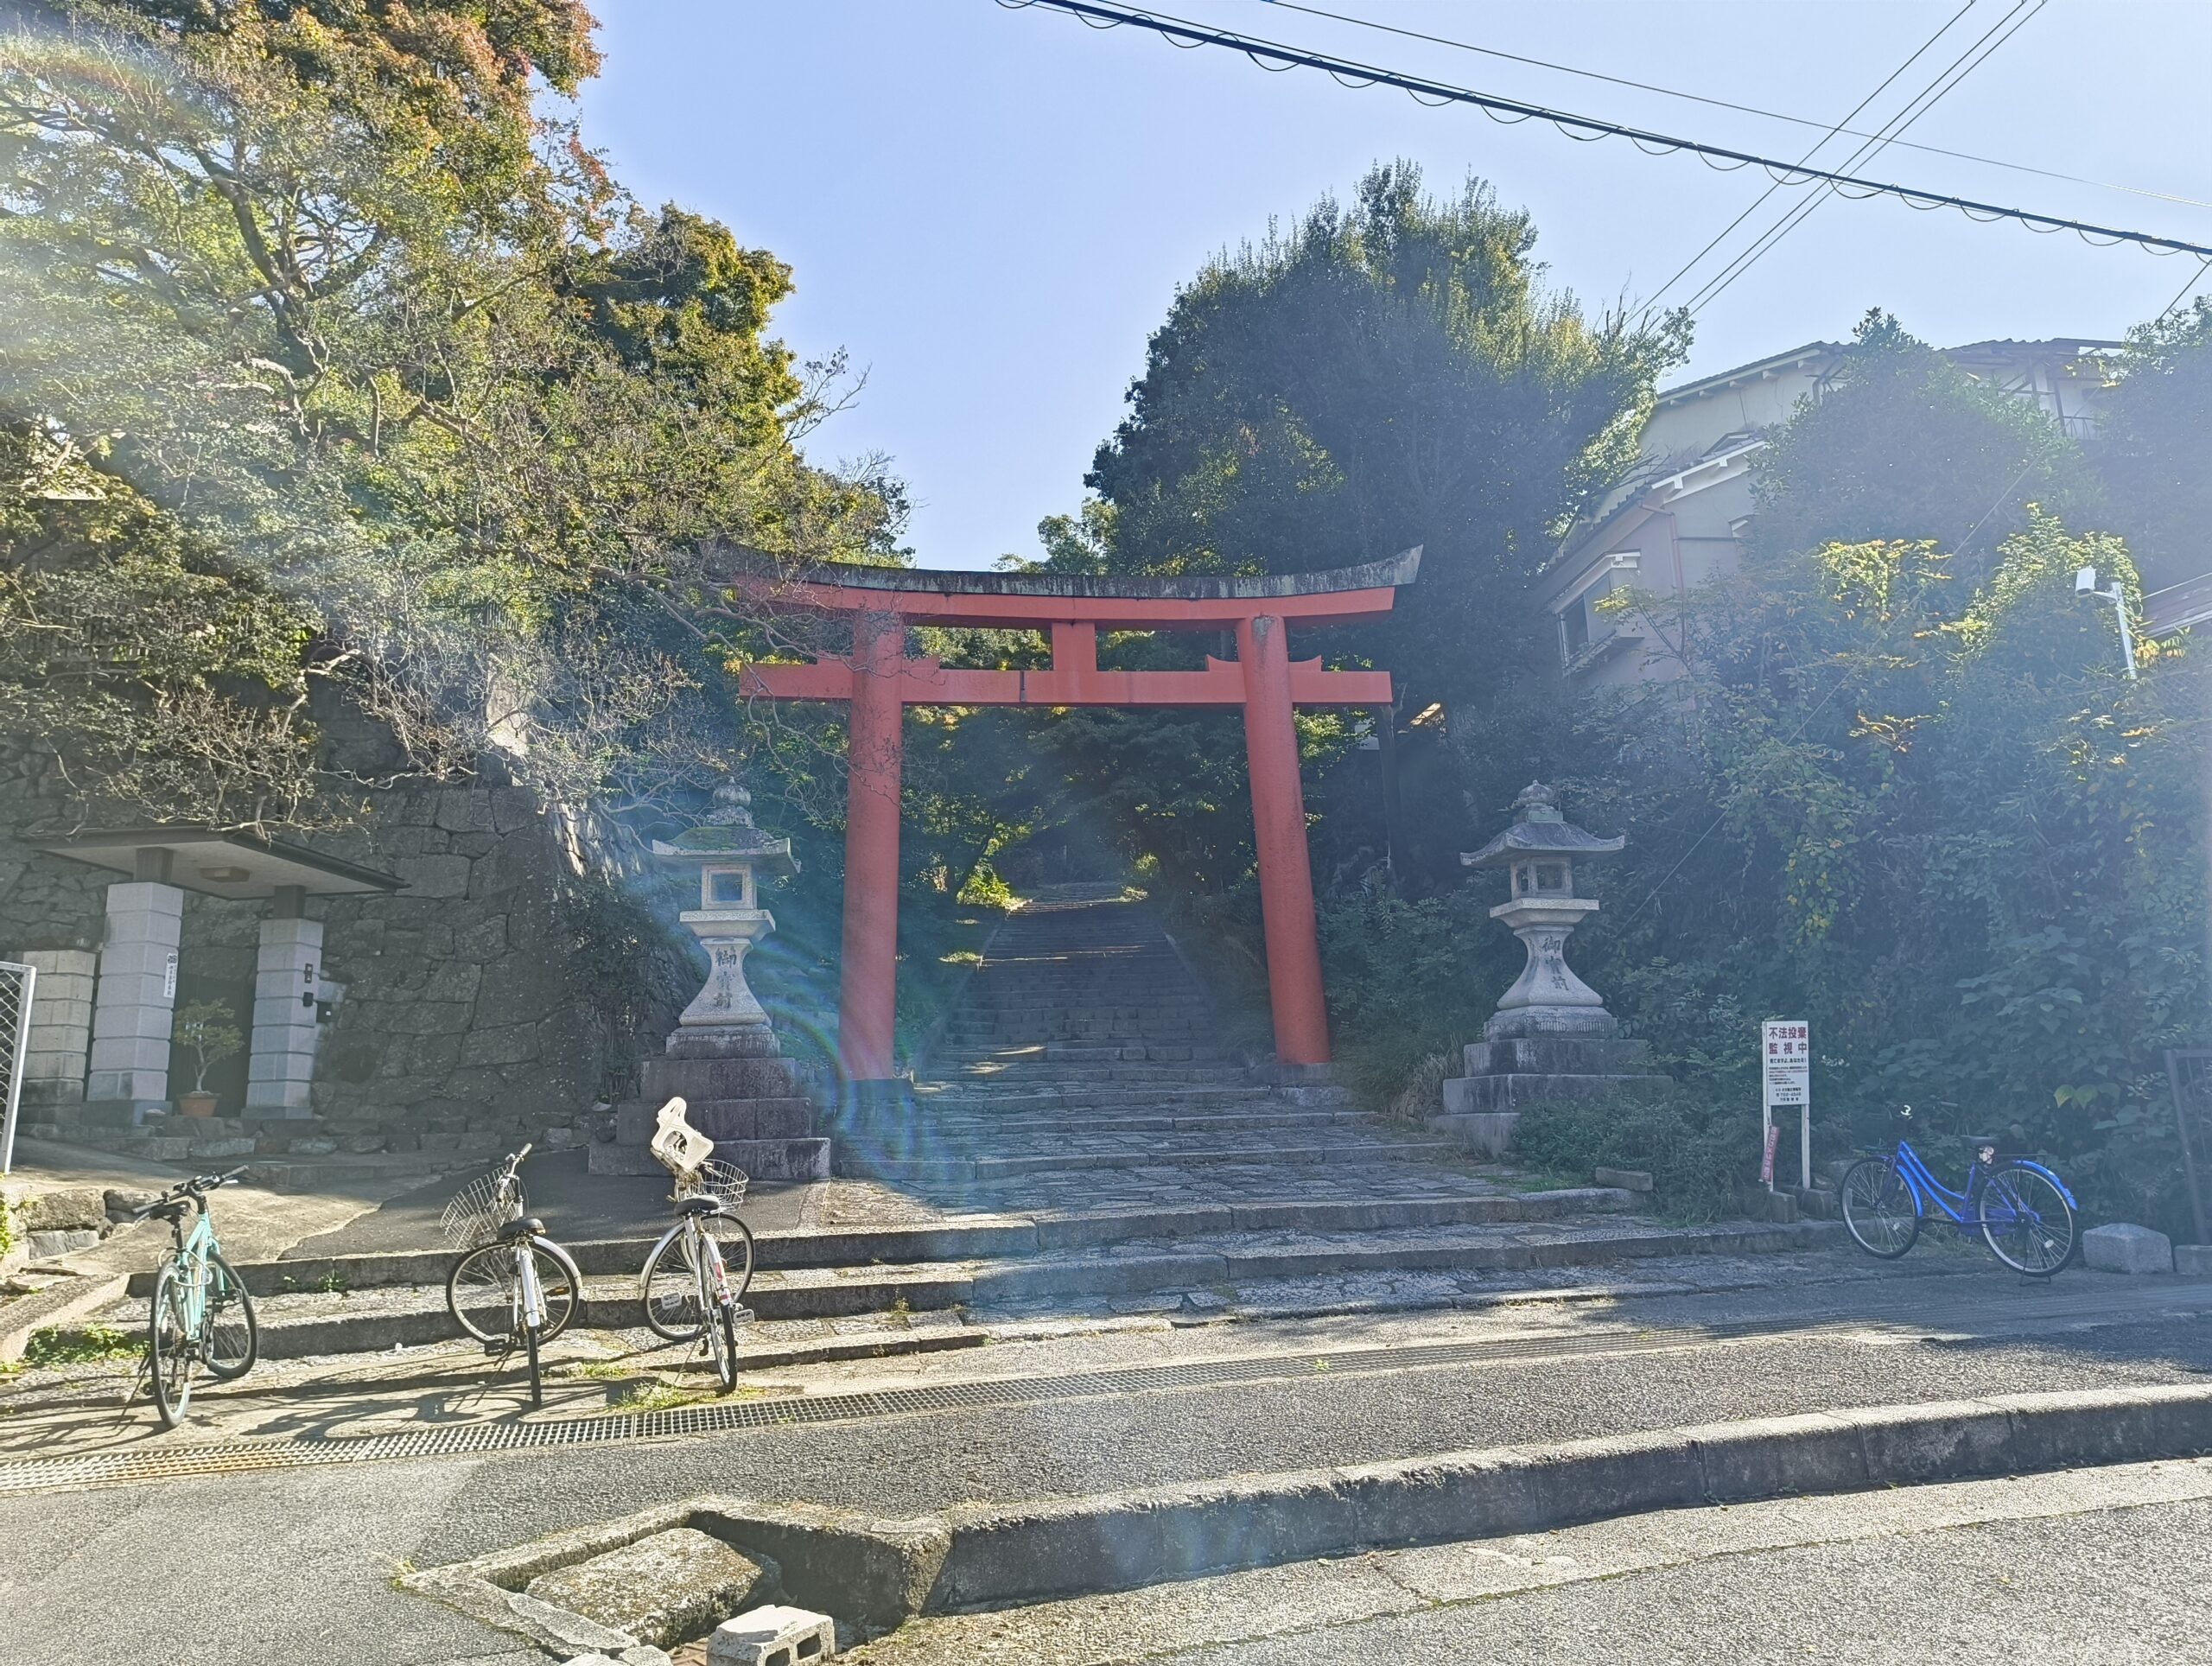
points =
(695, 1279)
(512, 1284)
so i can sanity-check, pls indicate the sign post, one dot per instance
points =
(1786, 1079)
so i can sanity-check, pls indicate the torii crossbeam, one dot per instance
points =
(879, 680)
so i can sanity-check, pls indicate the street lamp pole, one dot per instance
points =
(2085, 584)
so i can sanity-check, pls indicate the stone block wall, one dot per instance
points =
(475, 1005)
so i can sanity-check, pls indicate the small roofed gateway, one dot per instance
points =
(879, 679)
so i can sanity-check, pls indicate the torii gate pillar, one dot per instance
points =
(1279, 830)
(868, 977)
(879, 680)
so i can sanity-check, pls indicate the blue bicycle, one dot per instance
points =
(201, 1314)
(2023, 1210)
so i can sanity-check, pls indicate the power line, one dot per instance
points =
(1725, 104)
(1775, 185)
(2174, 305)
(1928, 98)
(1268, 53)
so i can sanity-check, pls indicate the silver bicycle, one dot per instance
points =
(695, 1279)
(512, 1284)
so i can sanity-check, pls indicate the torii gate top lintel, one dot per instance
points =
(1015, 599)
(879, 680)
(882, 600)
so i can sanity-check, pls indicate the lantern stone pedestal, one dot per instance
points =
(1551, 1037)
(724, 1059)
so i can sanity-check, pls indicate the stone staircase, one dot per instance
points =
(1080, 1147)
(1082, 1071)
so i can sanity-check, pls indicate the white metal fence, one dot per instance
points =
(16, 982)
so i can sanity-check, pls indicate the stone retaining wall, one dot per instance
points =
(508, 989)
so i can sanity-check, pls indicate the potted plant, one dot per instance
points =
(209, 1029)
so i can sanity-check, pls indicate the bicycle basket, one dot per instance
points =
(716, 1179)
(481, 1208)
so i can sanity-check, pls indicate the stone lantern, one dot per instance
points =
(1540, 849)
(1551, 1037)
(723, 1058)
(730, 852)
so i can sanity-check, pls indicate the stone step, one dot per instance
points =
(1204, 1274)
(958, 1238)
(960, 1125)
(1034, 1054)
(1017, 1087)
(1123, 1079)
(1403, 1154)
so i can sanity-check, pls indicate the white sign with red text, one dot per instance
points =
(1786, 1079)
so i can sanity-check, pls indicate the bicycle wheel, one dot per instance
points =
(171, 1346)
(231, 1340)
(725, 1344)
(1880, 1208)
(2026, 1220)
(671, 1283)
(484, 1294)
(537, 1381)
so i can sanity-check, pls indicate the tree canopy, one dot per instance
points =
(1378, 377)
(2154, 448)
(1905, 445)
(325, 284)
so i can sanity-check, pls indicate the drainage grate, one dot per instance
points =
(236, 1457)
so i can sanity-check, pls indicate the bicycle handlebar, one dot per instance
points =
(196, 1189)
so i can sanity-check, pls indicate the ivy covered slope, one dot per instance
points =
(328, 315)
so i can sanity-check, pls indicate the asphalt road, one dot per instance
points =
(2102, 1568)
(294, 1566)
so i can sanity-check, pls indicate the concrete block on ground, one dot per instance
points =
(2193, 1260)
(66, 1208)
(2124, 1247)
(1628, 1179)
(661, 1588)
(52, 1246)
(773, 1637)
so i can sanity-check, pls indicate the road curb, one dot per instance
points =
(997, 1556)
(1120, 1541)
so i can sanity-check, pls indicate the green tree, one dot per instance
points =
(1377, 378)
(322, 282)
(2154, 447)
(1905, 445)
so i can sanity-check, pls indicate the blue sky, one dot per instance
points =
(990, 209)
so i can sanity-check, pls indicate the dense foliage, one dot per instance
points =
(2154, 447)
(1898, 782)
(326, 287)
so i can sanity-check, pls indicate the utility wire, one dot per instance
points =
(1269, 55)
(1960, 69)
(1775, 185)
(2174, 305)
(1725, 104)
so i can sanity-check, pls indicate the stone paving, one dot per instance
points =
(1078, 1074)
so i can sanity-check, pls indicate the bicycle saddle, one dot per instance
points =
(526, 1226)
(699, 1203)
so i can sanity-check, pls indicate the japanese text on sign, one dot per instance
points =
(1788, 1060)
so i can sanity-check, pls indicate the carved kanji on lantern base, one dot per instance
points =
(879, 680)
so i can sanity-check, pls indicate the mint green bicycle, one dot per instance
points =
(201, 1314)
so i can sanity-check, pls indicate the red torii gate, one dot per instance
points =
(880, 680)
